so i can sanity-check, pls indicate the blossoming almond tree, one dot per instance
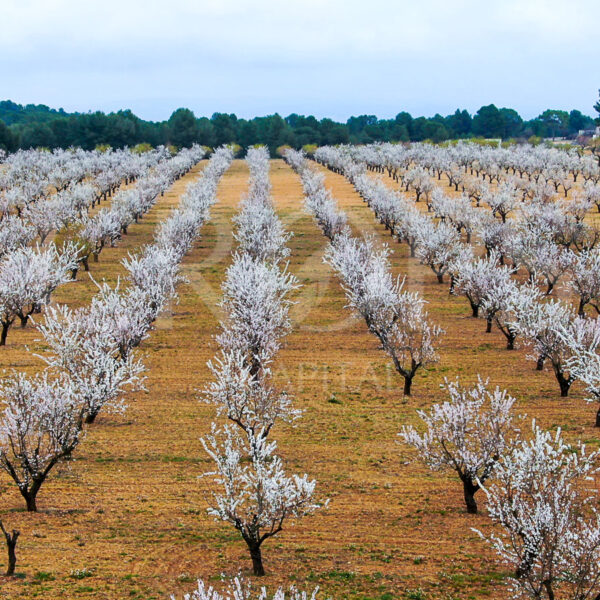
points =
(41, 425)
(396, 317)
(503, 304)
(85, 350)
(549, 527)
(583, 341)
(543, 326)
(468, 434)
(247, 399)
(256, 305)
(478, 277)
(585, 280)
(256, 495)
(437, 246)
(28, 277)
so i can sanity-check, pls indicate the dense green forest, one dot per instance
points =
(36, 125)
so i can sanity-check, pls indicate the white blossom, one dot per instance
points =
(468, 434)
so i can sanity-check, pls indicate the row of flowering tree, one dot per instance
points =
(538, 489)
(395, 316)
(251, 489)
(548, 241)
(532, 166)
(90, 352)
(29, 275)
(31, 212)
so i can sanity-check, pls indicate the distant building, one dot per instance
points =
(587, 133)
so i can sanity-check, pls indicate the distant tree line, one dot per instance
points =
(36, 125)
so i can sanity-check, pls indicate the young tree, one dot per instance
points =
(396, 317)
(477, 278)
(418, 180)
(48, 216)
(542, 258)
(28, 277)
(469, 434)
(545, 327)
(585, 281)
(495, 235)
(503, 201)
(246, 398)
(87, 353)
(437, 246)
(41, 425)
(503, 304)
(550, 530)
(128, 315)
(155, 272)
(102, 229)
(408, 227)
(260, 233)
(256, 495)
(256, 305)
(14, 234)
(584, 362)
(11, 547)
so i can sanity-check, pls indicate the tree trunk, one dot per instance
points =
(563, 382)
(85, 262)
(407, 385)
(539, 366)
(488, 327)
(24, 320)
(257, 563)
(11, 544)
(549, 590)
(469, 492)
(581, 307)
(91, 417)
(475, 310)
(598, 418)
(30, 495)
(30, 501)
(5, 328)
(510, 341)
(440, 277)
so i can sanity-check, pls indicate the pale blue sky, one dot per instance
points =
(328, 58)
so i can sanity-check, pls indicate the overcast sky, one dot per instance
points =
(331, 58)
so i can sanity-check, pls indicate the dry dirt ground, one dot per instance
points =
(126, 518)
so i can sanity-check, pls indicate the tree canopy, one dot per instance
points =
(37, 125)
